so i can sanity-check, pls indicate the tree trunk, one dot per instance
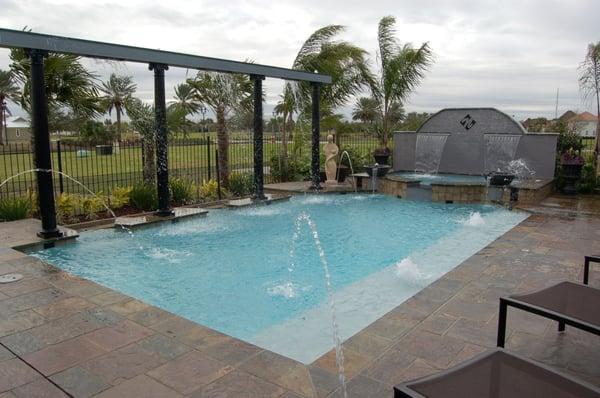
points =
(284, 143)
(223, 146)
(149, 170)
(118, 125)
(3, 129)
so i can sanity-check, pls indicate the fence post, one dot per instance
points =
(60, 170)
(208, 155)
(218, 174)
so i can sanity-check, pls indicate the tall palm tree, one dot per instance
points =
(68, 83)
(142, 121)
(223, 94)
(401, 70)
(117, 94)
(366, 110)
(184, 103)
(9, 90)
(589, 81)
(185, 99)
(346, 63)
(285, 108)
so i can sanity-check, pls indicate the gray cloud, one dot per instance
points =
(511, 54)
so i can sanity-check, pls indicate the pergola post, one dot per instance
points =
(41, 134)
(316, 136)
(160, 120)
(258, 138)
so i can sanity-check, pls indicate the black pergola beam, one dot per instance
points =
(41, 136)
(258, 138)
(160, 124)
(94, 49)
(316, 137)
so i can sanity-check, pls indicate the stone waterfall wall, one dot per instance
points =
(465, 148)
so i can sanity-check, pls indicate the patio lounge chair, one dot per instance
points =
(568, 303)
(497, 374)
(586, 267)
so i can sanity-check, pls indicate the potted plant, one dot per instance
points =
(571, 164)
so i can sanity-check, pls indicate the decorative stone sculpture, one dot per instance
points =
(331, 151)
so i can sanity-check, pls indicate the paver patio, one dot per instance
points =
(92, 341)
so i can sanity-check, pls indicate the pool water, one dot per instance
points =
(231, 270)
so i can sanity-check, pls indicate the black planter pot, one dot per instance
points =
(382, 170)
(381, 158)
(571, 173)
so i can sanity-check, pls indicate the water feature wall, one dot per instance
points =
(478, 140)
(500, 151)
(428, 152)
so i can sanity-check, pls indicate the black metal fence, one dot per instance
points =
(102, 168)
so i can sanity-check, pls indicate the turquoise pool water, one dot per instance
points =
(231, 270)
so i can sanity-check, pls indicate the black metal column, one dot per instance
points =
(160, 120)
(41, 134)
(258, 138)
(316, 136)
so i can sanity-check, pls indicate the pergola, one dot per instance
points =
(39, 45)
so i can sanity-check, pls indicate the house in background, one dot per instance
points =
(584, 124)
(18, 130)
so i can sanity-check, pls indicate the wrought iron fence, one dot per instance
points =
(102, 168)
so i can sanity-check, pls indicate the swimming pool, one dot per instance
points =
(232, 271)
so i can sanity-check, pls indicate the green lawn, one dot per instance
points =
(190, 161)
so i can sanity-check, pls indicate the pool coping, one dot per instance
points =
(363, 350)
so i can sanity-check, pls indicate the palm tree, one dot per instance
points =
(142, 121)
(346, 64)
(184, 103)
(68, 84)
(401, 69)
(9, 90)
(223, 94)
(366, 110)
(118, 92)
(285, 108)
(589, 81)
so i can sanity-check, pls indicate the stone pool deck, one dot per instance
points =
(68, 334)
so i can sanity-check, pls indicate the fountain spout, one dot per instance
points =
(337, 174)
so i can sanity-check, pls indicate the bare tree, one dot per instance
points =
(589, 82)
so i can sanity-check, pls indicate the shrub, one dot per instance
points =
(119, 197)
(589, 180)
(15, 208)
(182, 191)
(91, 205)
(209, 191)
(69, 206)
(66, 207)
(298, 167)
(241, 184)
(144, 197)
(358, 158)
(96, 133)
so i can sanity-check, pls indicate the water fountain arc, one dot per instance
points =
(339, 353)
(337, 174)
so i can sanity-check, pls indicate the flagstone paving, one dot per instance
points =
(66, 334)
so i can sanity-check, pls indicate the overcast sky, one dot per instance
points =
(512, 55)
